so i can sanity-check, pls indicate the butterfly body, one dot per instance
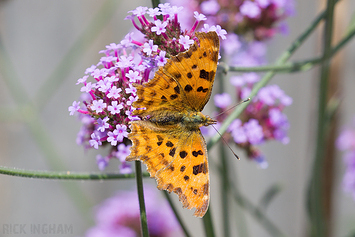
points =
(168, 139)
(189, 121)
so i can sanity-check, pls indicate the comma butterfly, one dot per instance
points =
(168, 138)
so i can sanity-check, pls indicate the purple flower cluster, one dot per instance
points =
(119, 216)
(105, 107)
(262, 120)
(346, 142)
(259, 19)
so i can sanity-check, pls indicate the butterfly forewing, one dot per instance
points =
(195, 69)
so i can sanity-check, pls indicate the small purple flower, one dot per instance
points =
(125, 168)
(134, 76)
(114, 92)
(250, 9)
(149, 47)
(90, 69)
(199, 16)
(101, 162)
(117, 135)
(115, 108)
(346, 140)
(251, 77)
(75, 107)
(102, 124)
(103, 85)
(186, 41)
(125, 62)
(87, 88)
(237, 81)
(121, 132)
(238, 132)
(131, 90)
(131, 99)
(82, 80)
(98, 106)
(254, 131)
(95, 141)
(159, 27)
(222, 100)
(263, 3)
(140, 11)
(231, 44)
(210, 7)
(221, 32)
(263, 164)
(207, 28)
(154, 12)
(161, 59)
(122, 152)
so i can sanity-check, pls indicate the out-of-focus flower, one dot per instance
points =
(263, 120)
(105, 107)
(119, 216)
(259, 19)
(346, 142)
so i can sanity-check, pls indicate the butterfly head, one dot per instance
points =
(209, 121)
(196, 120)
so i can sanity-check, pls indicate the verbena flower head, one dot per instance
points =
(105, 107)
(263, 120)
(346, 142)
(257, 19)
(120, 216)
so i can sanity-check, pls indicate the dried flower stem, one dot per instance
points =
(315, 197)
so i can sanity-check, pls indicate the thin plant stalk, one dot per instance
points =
(316, 199)
(225, 192)
(140, 191)
(177, 215)
(208, 224)
(65, 175)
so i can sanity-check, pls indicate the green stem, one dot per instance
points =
(267, 77)
(155, 3)
(316, 199)
(140, 191)
(208, 223)
(76, 51)
(67, 175)
(177, 215)
(225, 192)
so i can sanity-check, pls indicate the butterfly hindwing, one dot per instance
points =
(187, 175)
(153, 145)
(178, 161)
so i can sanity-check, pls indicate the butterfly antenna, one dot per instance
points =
(236, 156)
(233, 107)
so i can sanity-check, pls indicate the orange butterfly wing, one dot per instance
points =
(177, 159)
(174, 150)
